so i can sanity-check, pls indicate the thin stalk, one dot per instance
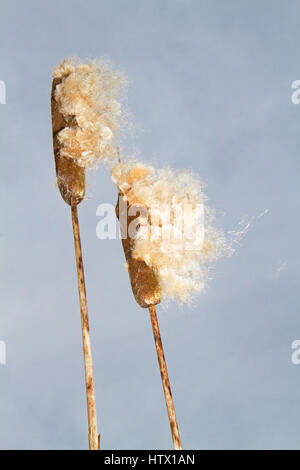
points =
(165, 379)
(94, 440)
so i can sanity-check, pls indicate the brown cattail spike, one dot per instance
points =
(71, 183)
(70, 176)
(144, 282)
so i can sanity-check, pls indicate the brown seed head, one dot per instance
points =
(70, 176)
(144, 282)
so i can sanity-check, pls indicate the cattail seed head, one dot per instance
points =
(144, 282)
(86, 116)
(180, 260)
(70, 176)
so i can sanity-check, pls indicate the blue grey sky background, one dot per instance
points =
(210, 88)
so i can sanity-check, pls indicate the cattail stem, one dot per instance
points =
(94, 440)
(165, 379)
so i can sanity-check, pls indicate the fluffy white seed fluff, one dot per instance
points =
(90, 94)
(182, 264)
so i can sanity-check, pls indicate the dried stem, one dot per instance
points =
(87, 353)
(165, 379)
